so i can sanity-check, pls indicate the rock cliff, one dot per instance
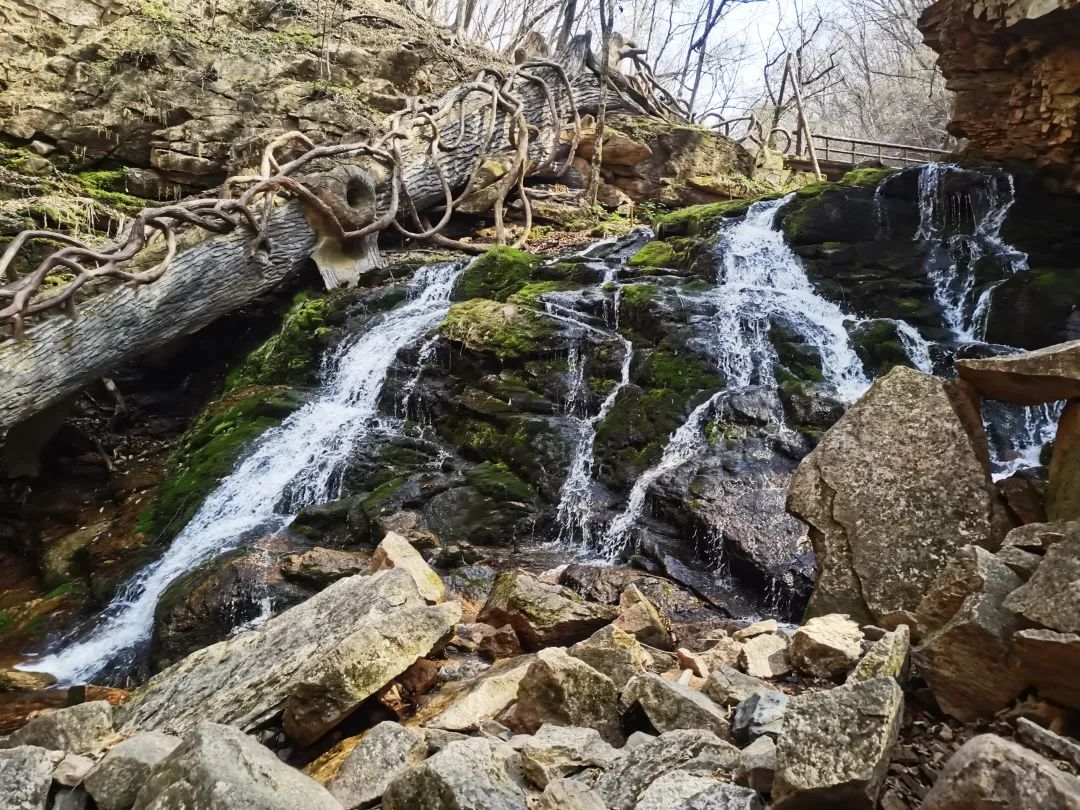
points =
(1014, 66)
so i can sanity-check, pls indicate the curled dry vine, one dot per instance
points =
(497, 98)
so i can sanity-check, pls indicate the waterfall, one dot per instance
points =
(916, 346)
(968, 227)
(293, 465)
(760, 278)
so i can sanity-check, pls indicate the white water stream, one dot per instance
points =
(291, 466)
(760, 279)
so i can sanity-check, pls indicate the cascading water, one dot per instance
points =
(293, 465)
(760, 279)
(967, 224)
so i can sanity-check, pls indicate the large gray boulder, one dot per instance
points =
(76, 729)
(965, 654)
(558, 751)
(671, 706)
(469, 774)
(219, 767)
(115, 781)
(988, 771)
(462, 705)
(1027, 378)
(385, 751)
(835, 747)
(695, 751)
(1049, 661)
(892, 491)
(729, 687)
(565, 691)
(541, 614)
(1051, 597)
(681, 790)
(760, 715)
(316, 662)
(26, 777)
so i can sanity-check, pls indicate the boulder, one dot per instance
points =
(640, 618)
(1038, 537)
(499, 642)
(466, 774)
(1028, 378)
(670, 706)
(115, 781)
(12, 680)
(26, 777)
(760, 715)
(72, 769)
(317, 661)
(77, 729)
(1020, 562)
(557, 751)
(826, 646)
(724, 653)
(542, 614)
(835, 747)
(886, 658)
(384, 752)
(219, 767)
(614, 652)
(1049, 661)
(891, 491)
(1063, 490)
(989, 771)
(1051, 597)
(462, 705)
(729, 687)
(565, 691)
(964, 653)
(569, 794)
(682, 790)
(765, 656)
(321, 566)
(396, 552)
(756, 629)
(695, 751)
(757, 765)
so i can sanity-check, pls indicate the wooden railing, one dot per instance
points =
(839, 149)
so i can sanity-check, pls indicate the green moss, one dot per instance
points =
(6, 622)
(698, 219)
(496, 275)
(654, 254)
(866, 177)
(529, 295)
(207, 452)
(290, 356)
(879, 346)
(374, 502)
(680, 374)
(505, 330)
(495, 480)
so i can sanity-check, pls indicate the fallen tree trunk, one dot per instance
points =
(429, 157)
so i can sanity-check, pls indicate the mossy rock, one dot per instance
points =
(698, 220)
(674, 372)
(505, 330)
(208, 451)
(1035, 309)
(337, 524)
(879, 346)
(531, 293)
(654, 254)
(496, 275)
(798, 356)
(495, 480)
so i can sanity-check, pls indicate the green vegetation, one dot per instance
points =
(504, 329)
(654, 254)
(496, 275)
(495, 480)
(697, 220)
(529, 295)
(289, 357)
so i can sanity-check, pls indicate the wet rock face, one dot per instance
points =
(883, 528)
(1011, 64)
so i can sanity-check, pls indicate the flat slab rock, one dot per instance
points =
(1030, 378)
(316, 662)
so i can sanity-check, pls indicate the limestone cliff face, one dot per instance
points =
(1015, 68)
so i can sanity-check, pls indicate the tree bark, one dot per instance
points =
(58, 356)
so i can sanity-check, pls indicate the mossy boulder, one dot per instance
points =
(798, 356)
(505, 330)
(879, 346)
(699, 220)
(496, 275)
(1035, 309)
(654, 254)
(338, 524)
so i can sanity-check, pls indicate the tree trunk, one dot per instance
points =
(57, 356)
